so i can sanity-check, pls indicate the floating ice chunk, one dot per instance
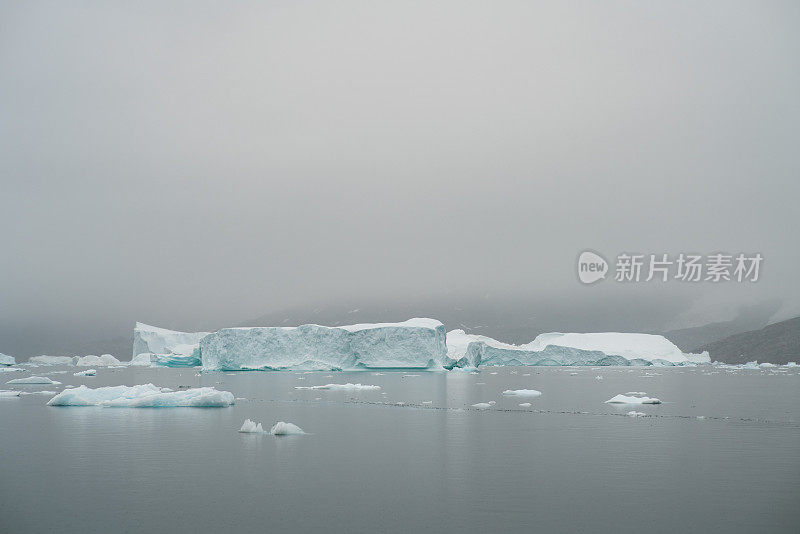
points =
(342, 387)
(251, 427)
(484, 405)
(100, 361)
(598, 377)
(525, 405)
(88, 372)
(7, 360)
(52, 360)
(766, 365)
(142, 396)
(634, 413)
(43, 392)
(413, 344)
(791, 364)
(4, 369)
(9, 393)
(285, 429)
(625, 399)
(33, 380)
(522, 393)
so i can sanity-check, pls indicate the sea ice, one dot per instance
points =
(52, 360)
(285, 429)
(102, 361)
(484, 405)
(7, 360)
(525, 405)
(88, 372)
(142, 396)
(634, 413)
(522, 393)
(625, 399)
(33, 380)
(342, 387)
(413, 344)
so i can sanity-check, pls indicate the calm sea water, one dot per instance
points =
(570, 463)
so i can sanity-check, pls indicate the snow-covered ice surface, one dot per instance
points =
(7, 360)
(52, 360)
(97, 361)
(33, 380)
(343, 387)
(603, 348)
(413, 344)
(631, 399)
(142, 396)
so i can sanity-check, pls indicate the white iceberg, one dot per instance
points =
(251, 427)
(604, 348)
(525, 405)
(285, 429)
(7, 360)
(343, 387)
(87, 372)
(9, 393)
(522, 393)
(626, 399)
(634, 413)
(165, 348)
(33, 380)
(102, 361)
(142, 396)
(52, 360)
(413, 344)
(484, 405)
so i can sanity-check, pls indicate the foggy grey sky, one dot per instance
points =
(187, 163)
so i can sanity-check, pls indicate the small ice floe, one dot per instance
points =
(33, 380)
(399, 403)
(427, 402)
(701, 417)
(484, 405)
(525, 405)
(251, 427)
(285, 429)
(10, 369)
(88, 372)
(474, 373)
(38, 392)
(625, 399)
(526, 374)
(598, 377)
(342, 387)
(573, 374)
(142, 396)
(522, 393)
(634, 413)
(408, 376)
(373, 374)
(493, 373)
(9, 393)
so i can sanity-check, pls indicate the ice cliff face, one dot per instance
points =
(416, 343)
(606, 348)
(167, 348)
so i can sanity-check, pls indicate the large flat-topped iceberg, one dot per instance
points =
(168, 348)
(416, 343)
(604, 348)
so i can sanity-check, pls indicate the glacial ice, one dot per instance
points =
(88, 372)
(522, 393)
(92, 360)
(413, 344)
(625, 399)
(142, 396)
(167, 348)
(33, 380)
(251, 427)
(9, 393)
(285, 429)
(604, 348)
(7, 360)
(343, 387)
(52, 360)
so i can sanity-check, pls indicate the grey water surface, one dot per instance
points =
(721, 454)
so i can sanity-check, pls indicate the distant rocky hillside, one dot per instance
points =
(775, 343)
